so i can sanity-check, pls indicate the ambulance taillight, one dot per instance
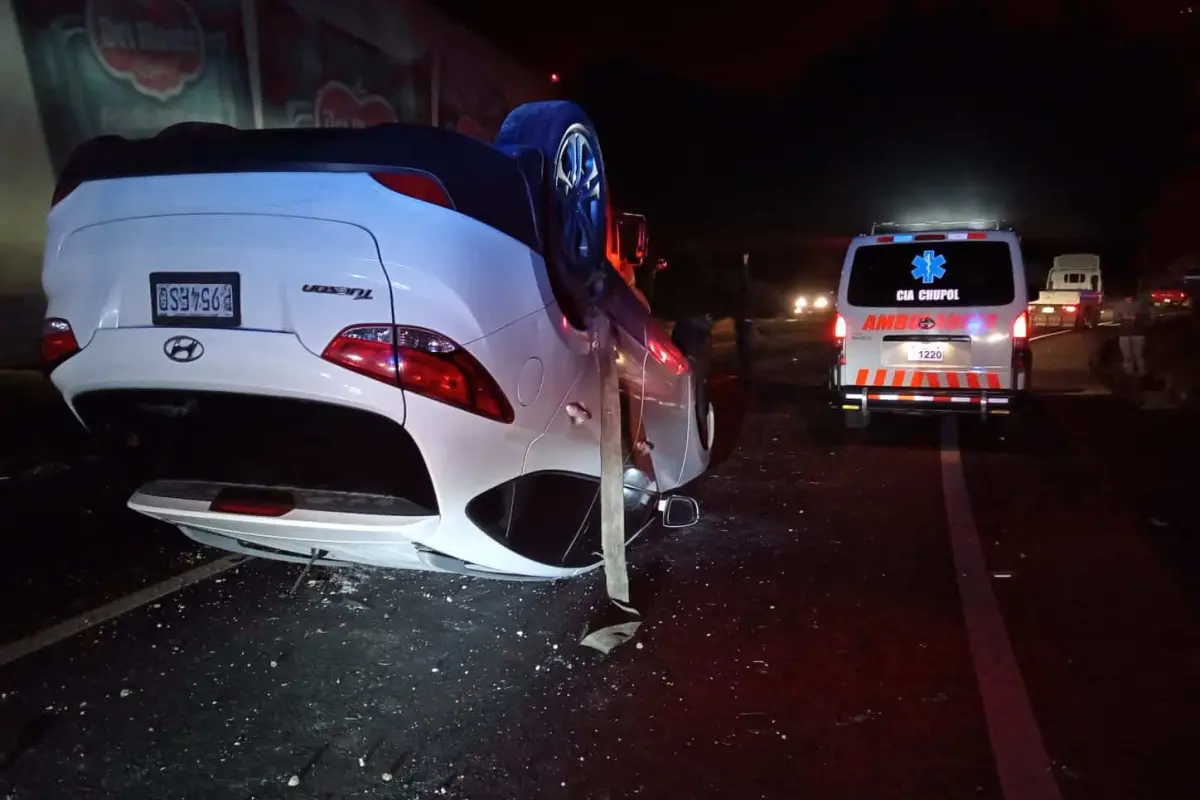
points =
(1020, 339)
(1020, 329)
(839, 337)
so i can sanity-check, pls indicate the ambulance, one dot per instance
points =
(931, 318)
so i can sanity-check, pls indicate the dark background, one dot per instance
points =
(783, 131)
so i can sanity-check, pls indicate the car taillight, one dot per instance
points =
(839, 337)
(422, 362)
(1069, 309)
(1020, 329)
(667, 355)
(253, 502)
(417, 185)
(1020, 340)
(58, 342)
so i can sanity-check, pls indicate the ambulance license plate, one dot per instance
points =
(918, 351)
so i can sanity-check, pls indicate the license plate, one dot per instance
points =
(925, 352)
(196, 299)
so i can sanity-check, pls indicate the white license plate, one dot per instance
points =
(925, 352)
(190, 300)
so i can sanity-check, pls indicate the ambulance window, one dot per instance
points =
(942, 274)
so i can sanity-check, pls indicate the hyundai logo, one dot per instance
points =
(183, 349)
(925, 324)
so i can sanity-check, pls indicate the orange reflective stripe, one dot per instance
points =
(920, 379)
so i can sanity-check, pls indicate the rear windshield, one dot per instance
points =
(940, 274)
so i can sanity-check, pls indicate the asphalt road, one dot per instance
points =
(916, 611)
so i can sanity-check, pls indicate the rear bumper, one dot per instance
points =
(337, 528)
(259, 409)
(379, 536)
(1063, 320)
(1086, 313)
(983, 394)
(274, 364)
(929, 401)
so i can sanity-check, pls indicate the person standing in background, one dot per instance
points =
(1133, 320)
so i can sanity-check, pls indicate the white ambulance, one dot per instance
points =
(931, 318)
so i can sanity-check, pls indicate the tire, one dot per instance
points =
(856, 420)
(575, 223)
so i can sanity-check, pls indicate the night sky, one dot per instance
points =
(783, 130)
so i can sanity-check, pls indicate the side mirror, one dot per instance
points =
(679, 511)
(633, 238)
(660, 264)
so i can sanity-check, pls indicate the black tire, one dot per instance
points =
(694, 338)
(550, 126)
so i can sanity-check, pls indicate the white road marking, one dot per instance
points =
(68, 628)
(1021, 760)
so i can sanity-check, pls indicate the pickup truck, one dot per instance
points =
(1073, 296)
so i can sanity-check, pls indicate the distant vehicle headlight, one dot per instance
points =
(821, 302)
(801, 304)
